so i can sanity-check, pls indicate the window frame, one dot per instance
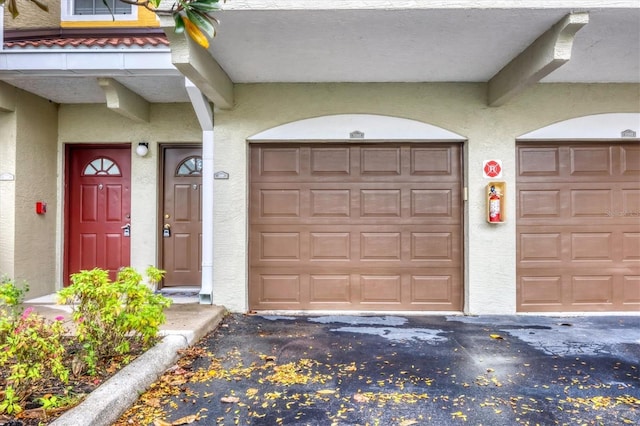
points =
(66, 14)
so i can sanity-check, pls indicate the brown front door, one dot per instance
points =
(99, 206)
(181, 232)
(578, 227)
(356, 226)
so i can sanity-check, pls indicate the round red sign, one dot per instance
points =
(492, 168)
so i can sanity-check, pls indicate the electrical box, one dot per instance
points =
(496, 193)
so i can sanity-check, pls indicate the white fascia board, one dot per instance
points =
(427, 4)
(84, 62)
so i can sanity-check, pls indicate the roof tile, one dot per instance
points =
(89, 42)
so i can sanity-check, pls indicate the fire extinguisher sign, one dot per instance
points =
(492, 169)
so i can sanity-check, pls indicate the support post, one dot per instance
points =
(204, 113)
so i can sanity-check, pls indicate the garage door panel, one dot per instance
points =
(631, 246)
(374, 227)
(630, 160)
(592, 289)
(539, 161)
(540, 290)
(277, 162)
(539, 203)
(274, 203)
(578, 230)
(631, 291)
(357, 245)
(591, 202)
(434, 162)
(592, 161)
(330, 161)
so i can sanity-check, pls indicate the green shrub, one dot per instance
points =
(110, 316)
(31, 347)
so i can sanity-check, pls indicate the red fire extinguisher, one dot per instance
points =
(494, 205)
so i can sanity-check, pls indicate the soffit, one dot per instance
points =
(384, 42)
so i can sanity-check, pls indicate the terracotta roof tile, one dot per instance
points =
(89, 42)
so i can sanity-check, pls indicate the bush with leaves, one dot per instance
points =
(110, 316)
(31, 348)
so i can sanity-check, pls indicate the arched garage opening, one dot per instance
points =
(578, 216)
(356, 212)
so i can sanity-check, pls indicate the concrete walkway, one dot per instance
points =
(186, 323)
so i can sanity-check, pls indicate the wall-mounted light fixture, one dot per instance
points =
(142, 149)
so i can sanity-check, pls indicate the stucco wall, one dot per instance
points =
(31, 16)
(35, 165)
(169, 123)
(490, 250)
(7, 190)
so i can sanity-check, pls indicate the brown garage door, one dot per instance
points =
(366, 227)
(578, 227)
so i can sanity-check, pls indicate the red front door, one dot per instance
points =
(98, 208)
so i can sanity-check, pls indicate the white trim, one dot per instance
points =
(204, 113)
(1, 27)
(87, 62)
(590, 127)
(66, 14)
(339, 127)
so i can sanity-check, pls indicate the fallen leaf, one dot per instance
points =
(186, 420)
(408, 422)
(160, 422)
(326, 391)
(153, 402)
(360, 398)
(230, 399)
(496, 336)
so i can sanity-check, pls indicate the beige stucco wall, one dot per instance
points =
(490, 250)
(7, 190)
(31, 16)
(27, 242)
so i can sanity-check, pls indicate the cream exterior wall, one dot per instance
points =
(7, 192)
(31, 16)
(28, 151)
(490, 250)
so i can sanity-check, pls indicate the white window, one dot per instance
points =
(95, 10)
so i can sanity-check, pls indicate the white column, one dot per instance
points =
(204, 114)
(206, 290)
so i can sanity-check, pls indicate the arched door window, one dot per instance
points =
(190, 166)
(101, 166)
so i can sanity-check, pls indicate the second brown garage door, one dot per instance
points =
(355, 227)
(578, 227)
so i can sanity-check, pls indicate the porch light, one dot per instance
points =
(142, 149)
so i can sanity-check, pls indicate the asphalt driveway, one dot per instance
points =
(397, 370)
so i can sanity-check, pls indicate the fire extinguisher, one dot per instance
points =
(494, 205)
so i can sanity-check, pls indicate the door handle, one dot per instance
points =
(166, 231)
(126, 230)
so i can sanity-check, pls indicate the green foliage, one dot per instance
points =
(11, 296)
(109, 316)
(31, 347)
(50, 402)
